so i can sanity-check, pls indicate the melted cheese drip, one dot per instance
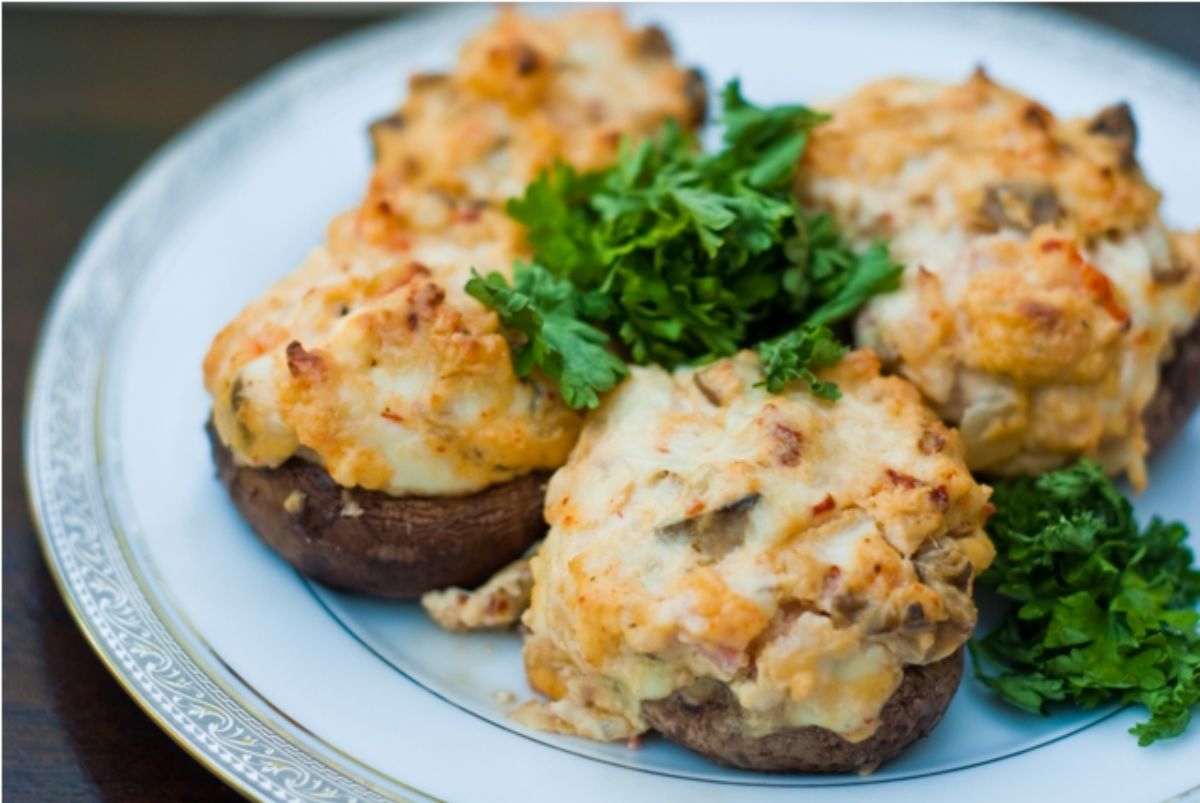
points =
(799, 551)
(1042, 289)
(371, 360)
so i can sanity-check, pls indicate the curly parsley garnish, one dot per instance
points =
(1102, 611)
(546, 313)
(793, 355)
(837, 280)
(683, 256)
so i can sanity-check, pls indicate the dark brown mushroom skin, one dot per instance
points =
(708, 719)
(388, 546)
(1178, 392)
(1116, 122)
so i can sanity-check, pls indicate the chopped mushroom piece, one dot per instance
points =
(498, 603)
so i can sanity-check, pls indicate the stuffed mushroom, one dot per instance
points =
(777, 581)
(367, 417)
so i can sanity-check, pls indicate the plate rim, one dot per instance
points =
(288, 79)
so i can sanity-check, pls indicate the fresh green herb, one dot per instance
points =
(686, 256)
(1101, 611)
(772, 140)
(685, 246)
(546, 313)
(793, 355)
(834, 277)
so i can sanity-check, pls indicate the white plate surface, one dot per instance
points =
(291, 691)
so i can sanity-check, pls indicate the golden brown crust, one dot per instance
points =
(372, 360)
(525, 92)
(707, 719)
(387, 546)
(1043, 290)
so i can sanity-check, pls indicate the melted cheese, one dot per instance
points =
(1042, 290)
(371, 360)
(801, 552)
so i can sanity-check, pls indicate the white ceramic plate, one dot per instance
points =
(292, 692)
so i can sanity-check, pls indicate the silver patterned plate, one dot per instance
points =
(291, 692)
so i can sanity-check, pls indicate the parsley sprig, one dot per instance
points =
(545, 314)
(835, 281)
(683, 256)
(793, 356)
(1101, 611)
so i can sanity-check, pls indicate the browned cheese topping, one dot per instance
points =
(370, 359)
(800, 551)
(1042, 291)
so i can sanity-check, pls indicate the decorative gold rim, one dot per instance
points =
(254, 702)
(81, 622)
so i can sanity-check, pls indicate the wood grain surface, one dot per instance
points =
(88, 96)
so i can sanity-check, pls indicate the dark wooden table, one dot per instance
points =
(87, 97)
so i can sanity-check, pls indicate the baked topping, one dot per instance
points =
(801, 551)
(371, 360)
(1042, 290)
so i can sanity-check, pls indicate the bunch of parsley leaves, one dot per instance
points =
(1101, 611)
(683, 256)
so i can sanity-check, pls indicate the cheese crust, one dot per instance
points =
(801, 552)
(371, 360)
(1042, 291)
